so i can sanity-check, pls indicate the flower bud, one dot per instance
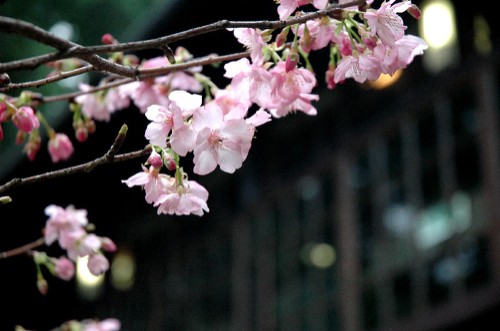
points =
(25, 119)
(60, 147)
(107, 244)
(291, 62)
(155, 159)
(90, 124)
(4, 79)
(414, 11)
(108, 39)
(42, 285)
(169, 162)
(81, 133)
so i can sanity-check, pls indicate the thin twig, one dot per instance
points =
(48, 80)
(109, 157)
(141, 74)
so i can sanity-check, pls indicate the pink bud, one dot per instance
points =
(42, 285)
(60, 147)
(291, 62)
(25, 119)
(414, 11)
(108, 39)
(155, 159)
(65, 268)
(81, 134)
(169, 162)
(107, 244)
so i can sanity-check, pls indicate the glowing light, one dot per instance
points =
(89, 286)
(385, 80)
(123, 271)
(319, 255)
(84, 276)
(438, 24)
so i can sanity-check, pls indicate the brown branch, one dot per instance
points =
(141, 74)
(22, 249)
(7, 25)
(109, 157)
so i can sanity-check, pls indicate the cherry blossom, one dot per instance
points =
(385, 21)
(184, 198)
(218, 141)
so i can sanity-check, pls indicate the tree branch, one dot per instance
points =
(11, 26)
(109, 157)
(141, 74)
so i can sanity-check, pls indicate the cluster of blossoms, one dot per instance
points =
(27, 121)
(220, 132)
(70, 226)
(189, 113)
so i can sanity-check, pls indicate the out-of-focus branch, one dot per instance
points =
(109, 157)
(68, 50)
(31, 31)
(22, 249)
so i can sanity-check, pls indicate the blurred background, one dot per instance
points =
(380, 213)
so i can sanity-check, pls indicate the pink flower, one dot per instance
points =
(25, 119)
(166, 119)
(402, 54)
(150, 180)
(290, 84)
(386, 23)
(99, 106)
(218, 141)
(185, 198)
(61, 220)
(287, 7)
(146, 93)
(253, 41)
(60, 147)
(97, 264)
(360, 67)
(64, 268)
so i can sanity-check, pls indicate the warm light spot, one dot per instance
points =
(438, 24)
(385, 80)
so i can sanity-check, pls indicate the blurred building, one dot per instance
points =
(380, 213)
